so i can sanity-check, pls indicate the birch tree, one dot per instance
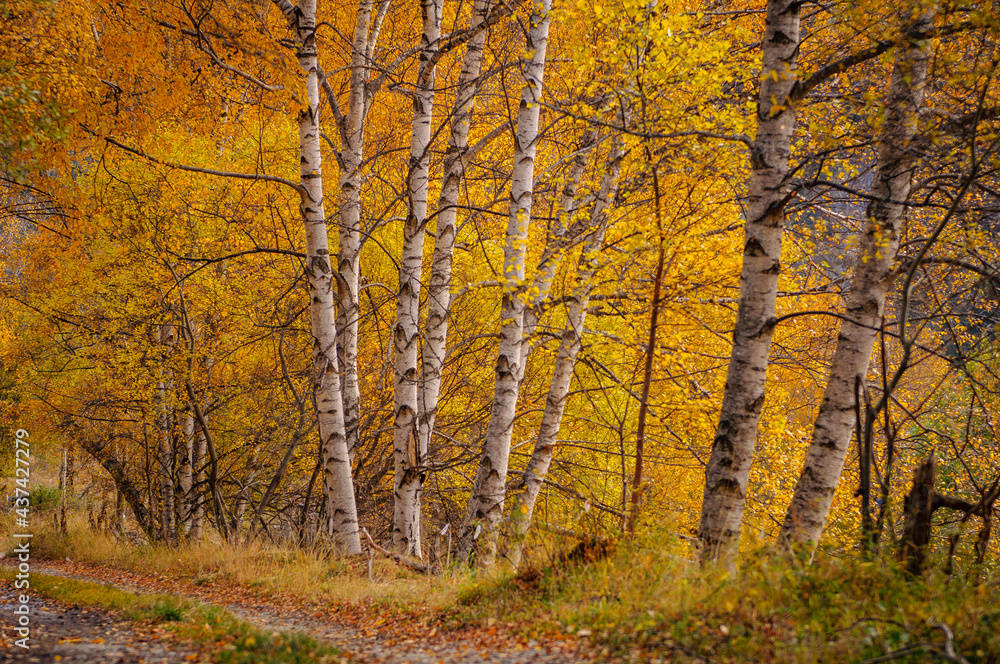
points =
(349, 231)
(439, 282)
(874, 275)
(486, 502)
(164, 429)
(338, 489)
(767, 193)
(529, 485)
(198, 479)
(565, 231)
(419, 388)
(409, 449)
(185, 477)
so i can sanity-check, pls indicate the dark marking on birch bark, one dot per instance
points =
(754, 248)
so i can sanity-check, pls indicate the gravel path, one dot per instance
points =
(366, 645)
(71, 634)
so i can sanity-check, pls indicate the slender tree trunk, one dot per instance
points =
(63, 482)
(439, 283)
(197, 505)
(409, 449)
(647, 368)
(164, 458)
(184, 500)
(528, 488)
(338, 487)
(735, 439)
(70, 465)
(873, 277)
(184, 475)
(982, 543)
(486, 503)
(118, 526)
(218, 504)
(165, 443)
(563, 233)
(349, 250)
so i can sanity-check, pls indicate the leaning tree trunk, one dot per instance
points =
(563, 233)
(338, 488)
(735, 439)
(873, 277)
(439, 282)
(530, 484)
(409, 449)
(124, 485)
(486, 503)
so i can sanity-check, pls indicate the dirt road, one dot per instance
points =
(361, 641)
(72, 634)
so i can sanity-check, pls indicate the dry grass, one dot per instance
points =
(646, 599)
(308, 573)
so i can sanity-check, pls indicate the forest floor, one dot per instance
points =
(74, 634)
(641, 601)
(361, 634)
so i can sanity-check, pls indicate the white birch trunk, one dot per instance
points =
(735, 439)
(164, 427)
(409, 449)
(563, 233)
(185, 476)
(439, 282)
(349, 250)
(528, 488)
(486, 502)
(165, 457)
(338, 488)
(198, 454)
(873, 277)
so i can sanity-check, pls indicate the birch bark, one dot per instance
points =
(563, 233)
(185, 477)
(165, 455)
(530, 484)
(486, 502)
(439, 282)
(349, 250)
(873, 277)
(409, 449)
(732, 450)
(164, 428)
(198, 453)
(338, 487)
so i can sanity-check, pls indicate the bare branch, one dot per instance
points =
(198, 169)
